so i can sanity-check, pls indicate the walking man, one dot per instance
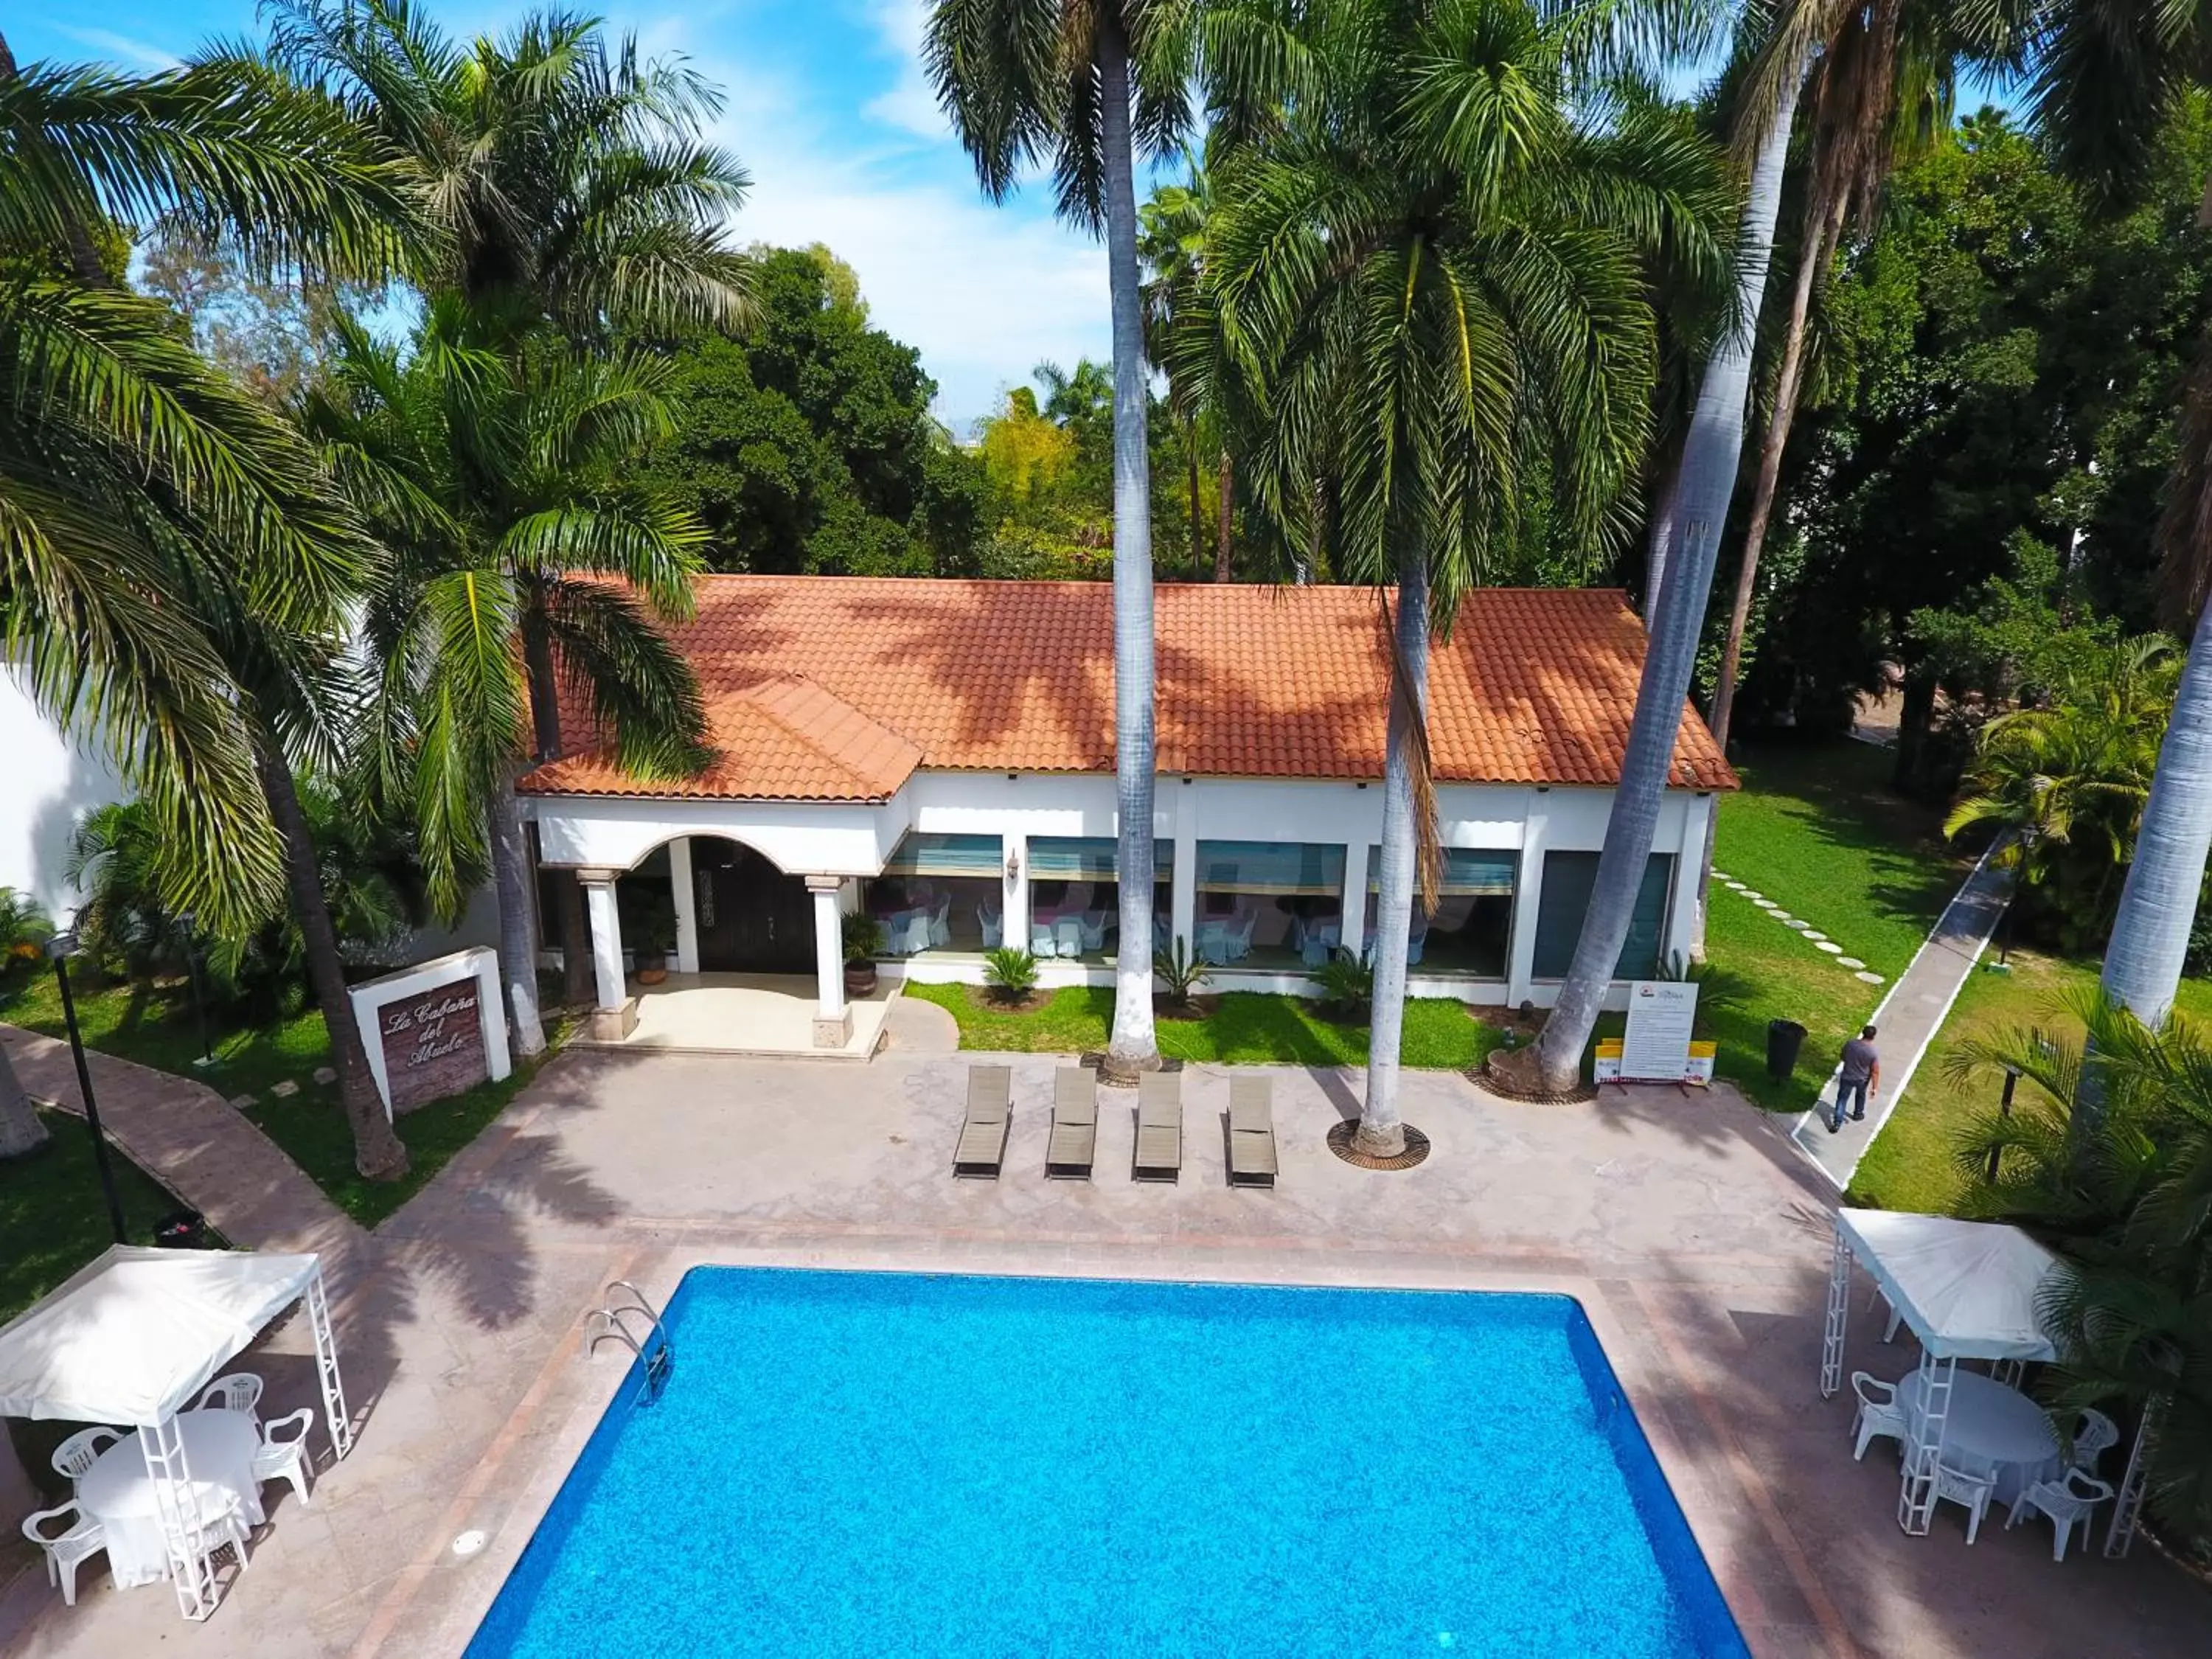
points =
(1862, 1075)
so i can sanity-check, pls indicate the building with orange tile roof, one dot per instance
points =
(941, 754)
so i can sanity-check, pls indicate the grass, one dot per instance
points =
(1909, 1166)
(1248, 1028)
(153, 1025)
(54, 1219)
(1817, 829)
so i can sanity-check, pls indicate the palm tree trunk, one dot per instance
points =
(1711, 456)
(20, 1132)
(1131, 1047)
(1813, 262)
(377, 1151)
(1197, 493)
(2150, 934)
(1662, 535)
(1381, 1131)
(517, 945)
(575, 927)
(1224, 519)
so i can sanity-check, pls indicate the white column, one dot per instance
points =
(1182, 914)
(687, 905)
(1520, 954)
(606, 937)
(833, 1020)
(1354, 934)
(1014, 895)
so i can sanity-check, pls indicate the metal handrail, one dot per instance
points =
(613, 1316)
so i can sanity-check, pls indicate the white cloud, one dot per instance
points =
(910, 104)
(142, 53)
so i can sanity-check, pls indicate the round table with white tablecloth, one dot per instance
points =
(118, 1491)
(1991, 1431)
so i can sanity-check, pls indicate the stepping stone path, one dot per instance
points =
(1765, 903)
(1755, 897)
(1870, 978)
(241, 1102)
(1813, 935)
(1829, 947)
(326, 1074)
(285, 1090)
(1849, 962)
(1800, 924)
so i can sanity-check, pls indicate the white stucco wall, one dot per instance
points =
(52, 783)
(856, 841)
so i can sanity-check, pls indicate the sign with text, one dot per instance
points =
(1655, 1047)
(1699, 1070)
(433, 1030)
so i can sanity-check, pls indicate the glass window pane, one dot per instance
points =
(920, 854)
(1470, 871)
(1090, 858)
(1564, 901)
(1270, 867)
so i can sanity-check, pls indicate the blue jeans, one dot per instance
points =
(1850, 1099)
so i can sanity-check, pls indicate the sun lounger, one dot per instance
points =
(1251, 1132)
(982, 1146)
(1074, 1125)
(1159, 1127)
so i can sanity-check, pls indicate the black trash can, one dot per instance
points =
(1784, 1037)
(182, 1230)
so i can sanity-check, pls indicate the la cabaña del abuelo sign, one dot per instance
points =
(433, 1029)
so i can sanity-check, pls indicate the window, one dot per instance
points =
(939, 893)
(1564, 900)
(1471, 930)
(1075, 900)
(1268, 903)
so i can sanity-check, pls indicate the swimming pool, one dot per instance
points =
(873, 1464)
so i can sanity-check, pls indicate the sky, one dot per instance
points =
(829, 110)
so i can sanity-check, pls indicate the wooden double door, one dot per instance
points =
(752, 918)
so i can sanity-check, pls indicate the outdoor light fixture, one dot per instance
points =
(186, 921)
(1013, 862)
(60, 948)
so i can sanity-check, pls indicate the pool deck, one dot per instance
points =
(1691, 1232)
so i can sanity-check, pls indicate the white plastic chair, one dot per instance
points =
(1970, 1491)
(75, 1456)
(1417, 939)
(993, 923)
(1041, 944)
(1068, 934)
(284, 1456)
(941, 924)
(2095, 1435)
(1889, 1331)
(1094, 930)
(2070, 1499)
(908, 935)
(66, 1550)
(1879, 1415)
(240, 1392)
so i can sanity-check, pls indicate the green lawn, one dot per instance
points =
(1817, 829)
(155, 1027)
(54, 1219)
(1248, 1028)
(1909, 1165)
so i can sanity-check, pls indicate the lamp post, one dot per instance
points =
(61, 947)
(200, 1000)
(2004, 1109)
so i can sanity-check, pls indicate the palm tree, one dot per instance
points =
(133, 475)
(518, 539)
(2120, 1194)
(1450, 239)
(1698, 501)
(581, 201)
(2104, 81)
(1079, 80)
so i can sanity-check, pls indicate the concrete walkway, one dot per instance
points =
(189, 1138)
(1909, 1017)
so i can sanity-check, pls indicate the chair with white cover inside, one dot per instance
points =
(67, 1550)
(2070, 1499)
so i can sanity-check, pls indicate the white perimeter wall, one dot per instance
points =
(50, 784)
(615, 833)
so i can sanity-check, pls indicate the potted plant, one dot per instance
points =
(864, 937)
(656, 939)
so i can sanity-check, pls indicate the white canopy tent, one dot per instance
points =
(1970, 1290)
(132, 1338)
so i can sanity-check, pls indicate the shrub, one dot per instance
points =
(24, 929)
(863, 936)
(1179, 970)
(1011, 974)
(1347, 981)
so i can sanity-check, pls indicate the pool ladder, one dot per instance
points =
(654, 1349)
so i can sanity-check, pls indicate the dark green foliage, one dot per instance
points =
(1180, 970)
(807, 444)
(863, 935)
(1347, 981)
(1011, 974)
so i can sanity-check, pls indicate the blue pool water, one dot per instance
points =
(891, 1464)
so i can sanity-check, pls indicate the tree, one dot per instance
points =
(521, 535)
(1081, 82)
(579, 201)
(1447, 241)
(807, 444)
(1698, 508)
(24, 930)
(132, 474)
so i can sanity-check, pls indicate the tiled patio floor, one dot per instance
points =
(1696, 1239)
(755, 1014)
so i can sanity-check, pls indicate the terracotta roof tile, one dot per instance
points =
(836, 688)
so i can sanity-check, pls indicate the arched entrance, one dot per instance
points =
(752, 917)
